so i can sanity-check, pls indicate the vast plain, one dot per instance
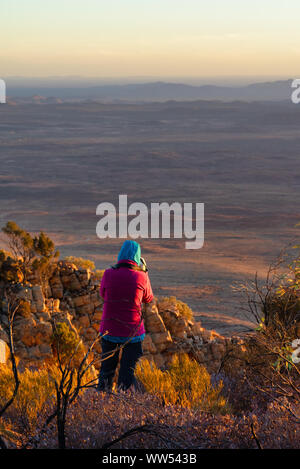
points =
(60, 160)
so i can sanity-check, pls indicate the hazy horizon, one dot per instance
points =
(157, 38)
(189, 80)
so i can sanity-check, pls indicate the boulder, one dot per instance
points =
(84, 321)
(153, 320)
(196, 329)
(46, 351)
(81, 300)
(84, 276)
(178, 327)
(70, 282)
(25, 293)
(38, 297)
(56, 286)
(96, 326)
(85, 309)
(34, 353)
(97, 316)
(90, 334)
(148, 345)
(4, 352)
(24, 330)
(3, 334)
(66, 267)
(44, 333)
(161, 340)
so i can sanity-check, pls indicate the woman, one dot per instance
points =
(124, 288)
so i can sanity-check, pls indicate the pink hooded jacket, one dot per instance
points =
(123, 291)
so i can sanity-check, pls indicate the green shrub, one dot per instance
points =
(66, 343)
(30, 254)
(11, 270)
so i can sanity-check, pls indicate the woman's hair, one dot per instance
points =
(131, 250)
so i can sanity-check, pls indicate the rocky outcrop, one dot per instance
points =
(72, 296)
(169, 333)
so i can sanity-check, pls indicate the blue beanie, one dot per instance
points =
(131, 250)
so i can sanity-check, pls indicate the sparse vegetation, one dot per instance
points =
(66, 343)
(185, 383)
(11, 270)
(80, 262)
(98, 275)
(252, 401)
(275, 306)
(267, 362)
(174, 304)
(29, 254)
(35, 392)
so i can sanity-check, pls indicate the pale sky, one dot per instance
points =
(117, 38)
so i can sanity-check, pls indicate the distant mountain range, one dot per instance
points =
(156, 91)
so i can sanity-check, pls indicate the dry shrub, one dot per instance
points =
(275, 305)
(36, 389)
(95, 419)
(35, 394)
(8, 434)
(98, 274)
(80, 262)
(173, 303)
(185, 383)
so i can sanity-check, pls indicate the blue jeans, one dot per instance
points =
(110, 356)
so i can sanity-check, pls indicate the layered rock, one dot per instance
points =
(72, 296)
(169, 333)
